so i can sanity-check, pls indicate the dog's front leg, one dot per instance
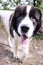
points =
(25, 52)
(12, 45)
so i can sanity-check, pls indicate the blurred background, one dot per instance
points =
(10, 4)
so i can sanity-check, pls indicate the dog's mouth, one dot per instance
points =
(23, 39)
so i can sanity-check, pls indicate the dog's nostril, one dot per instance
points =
(24, 29)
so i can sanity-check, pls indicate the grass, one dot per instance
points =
(39, 37)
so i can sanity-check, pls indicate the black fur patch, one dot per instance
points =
(19, 14)
(35, 14)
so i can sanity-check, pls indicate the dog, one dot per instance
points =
(21, 25)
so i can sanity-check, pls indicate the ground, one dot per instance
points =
(34, 58)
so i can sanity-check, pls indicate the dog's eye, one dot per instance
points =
(34, 21)
(20, 18)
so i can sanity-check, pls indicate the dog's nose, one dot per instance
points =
(24, 29)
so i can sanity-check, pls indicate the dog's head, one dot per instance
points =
(26, 21)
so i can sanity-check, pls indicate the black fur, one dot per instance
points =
(35, 13)
(19, 14)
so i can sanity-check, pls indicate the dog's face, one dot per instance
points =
(26, 21)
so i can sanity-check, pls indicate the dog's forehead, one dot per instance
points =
(20, 9)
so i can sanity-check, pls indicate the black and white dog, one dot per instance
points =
(21, 25)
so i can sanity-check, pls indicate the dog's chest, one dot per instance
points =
(21, 47)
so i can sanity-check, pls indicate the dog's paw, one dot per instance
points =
(17, 58)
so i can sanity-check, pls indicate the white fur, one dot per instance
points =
(5, 16)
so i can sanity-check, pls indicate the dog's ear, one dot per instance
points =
(11, 31)
(10, 25)
(19, 13)
(38, 16)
